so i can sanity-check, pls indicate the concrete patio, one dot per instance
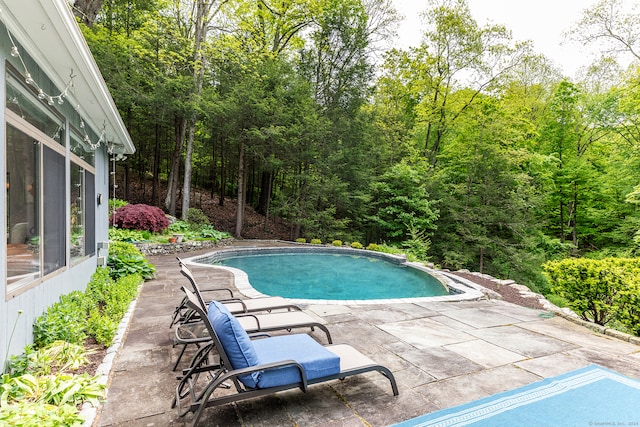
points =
(442, 354)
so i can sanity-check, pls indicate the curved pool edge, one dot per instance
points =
(458, 289)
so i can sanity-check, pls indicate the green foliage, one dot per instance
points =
(65, 320)
(356, 245)
(373, 247)
(599, 290)
(336, 243)
(195, 217)
(418, 244)
(41, 389)
(208, 232)
(400, 201)
(101, 327)
(39, 414)
(179, 227)
(316, 242)
(126, 235)
(125, 259)
(301, 240)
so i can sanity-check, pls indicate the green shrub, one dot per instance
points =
(124, 259)
(65, 320)
(316, 242)
(337, 243)
(301, 240)
(179, 227)
(208, 232)
(373, 247)
(356, 245)
(599, 290)
(101, 327)
(196, 217)
(126, 235)
(557, 300)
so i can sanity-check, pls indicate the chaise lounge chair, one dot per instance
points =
(262, 366)
(235, 305)
(194, 333)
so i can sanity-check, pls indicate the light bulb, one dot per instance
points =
(14, 52)
(50, 100)
(60, 100)
(28, 79)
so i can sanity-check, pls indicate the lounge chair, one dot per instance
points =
(194, 333)
(261, 367)
(235, 305)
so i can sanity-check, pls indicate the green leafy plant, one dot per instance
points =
(337, 243)
(207, 231)
(64, 320)
(301, 240)
(124, 259)
(599, 290)
(316, 242)
(195, 217)
(356, 245)
(179, 227)
(126, 235)
(373, 247)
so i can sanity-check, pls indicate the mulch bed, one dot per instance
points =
(508, 293)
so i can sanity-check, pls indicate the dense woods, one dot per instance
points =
(471, 146)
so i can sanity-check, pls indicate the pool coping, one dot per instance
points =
(459, 289)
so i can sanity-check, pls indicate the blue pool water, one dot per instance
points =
(333, 276)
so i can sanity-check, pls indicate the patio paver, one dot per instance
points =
(442, 354)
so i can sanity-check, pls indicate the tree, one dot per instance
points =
(455, 53)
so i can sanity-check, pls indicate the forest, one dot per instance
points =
(472, 146)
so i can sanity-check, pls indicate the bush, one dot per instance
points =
(599, 290)
(301, 240)
(126, 235)
(373, 247)
(316, 242)
(197, 218)
(65, 320)
(124, 259)
(140, 217)
(337, 243)
(356, 245)
(179, 227)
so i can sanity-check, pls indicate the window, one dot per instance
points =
(77, 212)
(50, 201)
(23, 207)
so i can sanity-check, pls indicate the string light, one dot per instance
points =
(52, 99)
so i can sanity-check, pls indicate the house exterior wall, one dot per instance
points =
(18, 310)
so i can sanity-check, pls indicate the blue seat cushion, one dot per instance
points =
(317, 361)
(235, 341)
(242, 352)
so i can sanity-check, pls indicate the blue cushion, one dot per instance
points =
(235, 341)
(317, 361)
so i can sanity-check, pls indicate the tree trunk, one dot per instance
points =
(241, 195)
(174, 171)
(155, 193)
(186, 188)
(87, 10)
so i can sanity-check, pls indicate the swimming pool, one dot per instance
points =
(333, 275)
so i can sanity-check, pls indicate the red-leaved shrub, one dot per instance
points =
(140, 217)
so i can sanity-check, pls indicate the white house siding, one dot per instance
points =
(96, 107)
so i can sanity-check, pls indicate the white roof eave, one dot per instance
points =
(48, 30)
